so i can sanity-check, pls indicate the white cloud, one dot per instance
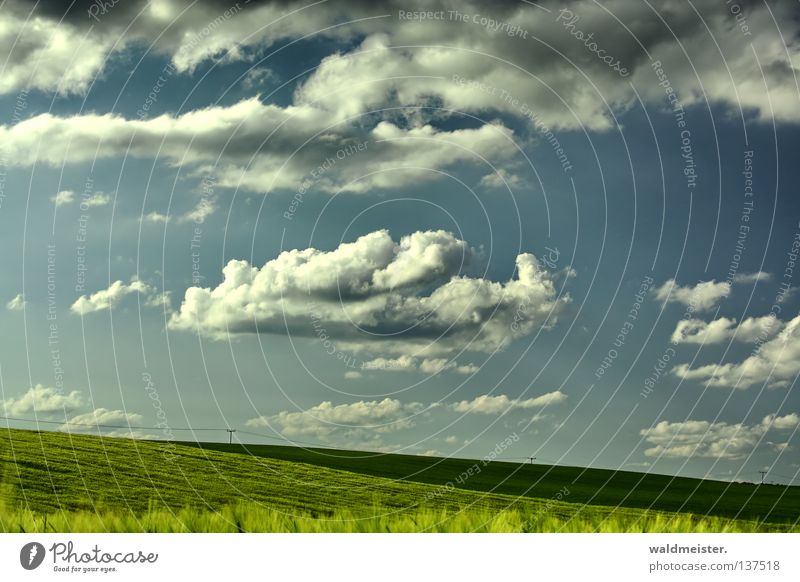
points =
(109, 298)
(566, 84)
(720, 440)
(406, 363)
(750, 278)
(204, 208)
(228, 141)
(775, 363)
(156, 299)
(51, 402)
(17, 303)
(87, 201)
(403, 363)
(436, 365)
(702, 297)
(53, 49)
(501, 179)
(111, 423)
(63, 197)
(781, 422)
(487, 404)
(324, 419)
(406, 297)
(696, 331)
(358, 95)
(258, 77)
(96, 199)
(559, 79)
(44, 53)
(352, 375)
(155, 217)
(42, 400)
(364, 422)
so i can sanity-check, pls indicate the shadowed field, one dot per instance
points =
(586, 486)
(61, 482)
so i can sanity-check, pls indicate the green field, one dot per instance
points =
(59, 482)
(586, 486)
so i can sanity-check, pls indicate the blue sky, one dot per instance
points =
(435, 232)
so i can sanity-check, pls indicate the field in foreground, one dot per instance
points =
(61, 482)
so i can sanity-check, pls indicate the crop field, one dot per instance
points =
(61, 482)
(586, 486)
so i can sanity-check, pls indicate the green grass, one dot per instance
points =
(60, 482)
(249, 517)
(587, 486)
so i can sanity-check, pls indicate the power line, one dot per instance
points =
(264, 436)
(795, 478)
(69, 423)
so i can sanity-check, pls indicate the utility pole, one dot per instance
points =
(230, 435)
(763, 474)
(532, 459)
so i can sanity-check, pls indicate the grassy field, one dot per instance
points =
(61, 482)
(250, 517)
(586, 486)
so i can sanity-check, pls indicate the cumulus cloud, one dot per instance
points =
(17, 303)
(96, 199)
(501, 179)
(155, 218)
(228, 142)
(87, 201)
(51, 402)
(325, 419)
(399, 297)
(697, 331)
(64, 197)
(198, 215)
(775, 363)
(367, 420)
(751, 278)
(156, 299)
(111, 297)
(356, 95)
(566, 85)
(111, 423)
(436, 365)
(406, 363)
(719, 440)
(701, 297)
(103, 416)
(488, 404)
(42, 400)
(60, 47)
(42, 52)
(789, 421)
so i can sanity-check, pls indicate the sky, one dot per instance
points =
(561, 230)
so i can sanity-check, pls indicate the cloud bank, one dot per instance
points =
(406, 297)
(716, 440)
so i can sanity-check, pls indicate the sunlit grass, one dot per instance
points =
(253, 518)
(53, 482)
